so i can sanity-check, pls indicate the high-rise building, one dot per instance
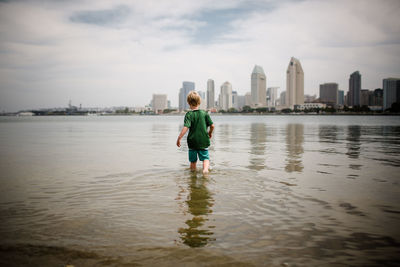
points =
(247, 99)
(354, 89)
(159, 103)
(283, 99)
(210, 94)
(341, 97)
(328, 93)
(203, 104)
(225, 96)
(272, 96)
(258, 87)
(364, 97)
(294, 84)
(184, 91)
(376, 98)
(391, 92)
(235, 98)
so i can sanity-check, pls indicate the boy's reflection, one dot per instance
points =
(199, 205)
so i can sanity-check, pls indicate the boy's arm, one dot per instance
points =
(211, 130)
(183, 132)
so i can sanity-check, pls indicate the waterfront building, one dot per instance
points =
(294, 84)
(203, 103)
(354, 96)
(272, 96)
(235, 97)
(328, 93)
(184, 91)
(391, 92)
(310, 98)
(376, 98)
(159, 103)
(225, 96)
(364, 97)
(341, 97)
(283, 99)
(210, 94)
(241, 102)
(258, 87)
(312, 106)
(247, 98)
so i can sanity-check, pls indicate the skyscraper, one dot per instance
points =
(210, 94)
(294, 84)
(258, 87)
(272, 96)
(225, 96)
(184, 91)
(354, 89)
(328, 93)
(391, 92)
(159, 103)
(203, 99)
(341, 97)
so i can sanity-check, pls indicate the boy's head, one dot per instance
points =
(193, 99)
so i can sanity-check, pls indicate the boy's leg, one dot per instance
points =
(192, 159)
(193, 166)
(203, 156)
(206, 165)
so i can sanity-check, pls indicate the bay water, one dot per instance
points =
(282, 191)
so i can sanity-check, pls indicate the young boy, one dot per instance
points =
(197, 121)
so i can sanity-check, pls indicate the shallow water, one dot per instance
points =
(283, 190)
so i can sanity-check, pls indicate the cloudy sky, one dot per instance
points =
(118, 53)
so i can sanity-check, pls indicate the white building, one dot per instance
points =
(203, 103)
(294, 84)
(159, 103)
(225, 96)
(272, 96)
(258, 87)
(311, 106)
(210, 94)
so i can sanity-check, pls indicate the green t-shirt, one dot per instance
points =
(197, 121)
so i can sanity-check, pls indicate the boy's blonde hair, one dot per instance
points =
(193, 99)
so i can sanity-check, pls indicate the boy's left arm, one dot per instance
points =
(183, 132)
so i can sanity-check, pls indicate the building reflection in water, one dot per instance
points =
(353, 141)
(199, 204)
(294, 147)
(258, 139)
(328, 133)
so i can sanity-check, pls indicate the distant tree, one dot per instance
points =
(261, 110)
(232, 110)
(168, 110)
(286, 110)
(395, 107)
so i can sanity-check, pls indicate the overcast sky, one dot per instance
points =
(118, 53)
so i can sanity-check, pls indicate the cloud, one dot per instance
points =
(102, 17)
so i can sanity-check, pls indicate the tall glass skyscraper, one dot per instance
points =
(294, 84)
(183, 92)
(258, 87)
(354, 89)
(210, 94)
(391, 92)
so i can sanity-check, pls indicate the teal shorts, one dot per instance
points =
(203, 155)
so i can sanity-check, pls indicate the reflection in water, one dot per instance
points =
(199, 204)
(258, 138)
(353, 138)
(328, 133)
(294, 146)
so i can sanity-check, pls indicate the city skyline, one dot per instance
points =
(109, 53)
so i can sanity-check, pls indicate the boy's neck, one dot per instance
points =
(194, 107)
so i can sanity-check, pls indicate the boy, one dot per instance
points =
(197, 121)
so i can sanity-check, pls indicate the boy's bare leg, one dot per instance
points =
(206, 165)
(193, 166)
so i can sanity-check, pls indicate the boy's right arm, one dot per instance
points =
(183, 132)
(211, 130)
